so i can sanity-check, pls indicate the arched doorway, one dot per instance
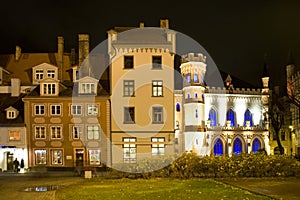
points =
(256, 145)
(237, 146)
(218, 147)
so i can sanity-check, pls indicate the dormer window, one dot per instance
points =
(39, 74)
(51, 73)
(11, 113)
(88, 88)
(49, 88)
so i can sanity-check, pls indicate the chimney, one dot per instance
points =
(83, 47)
(73, 57)
(18, 53)
(15, 87)
(60, 56)
(164, 23)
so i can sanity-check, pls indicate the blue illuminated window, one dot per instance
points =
(237, 146)
(178, 107)
(196, 113)
(256, 145)
(218, 147)
(188, 78)
(231, 117)
(212, 117)
(196, 95)
(248, 116)
(196, 80)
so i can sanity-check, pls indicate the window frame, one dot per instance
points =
(76, 109)
(130, 59)
(97, 156)
(39, 74)
(157, 146)
(129, 118)
(91, 131)
(51, 73)
(39, 106)
(49, 90)
(156, 86)
(38, 132)
(57, 134)
(56, 106)
(157, 114)
(128, 88)
(52, 151)
(14, 137)
(88, 88)
(156, 62)
(90, 111)
(43, 156)
(129, 150)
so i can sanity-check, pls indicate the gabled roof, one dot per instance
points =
(7, 101)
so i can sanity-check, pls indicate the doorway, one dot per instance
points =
(79, 157)
(10, 161)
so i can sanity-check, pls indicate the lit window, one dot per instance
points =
(129, 115)
(87, 88)
(56, 157)
(39, 74)
(212, 117)
(157, 115)
(55, 132)
(248, 117)
(50, 73)
(196, 79)
(128, 62)
(129, 150)
(94, 155)
(40, 156)
(92, 109)
(76, 132)
(157, 88)
(49, 88)
(14, 135)
(156, 62)
(128, 88)
(76, 109)
(55, 109)
(93, 132)
(39, 109)
(158, 146)
(231, 117)
(40, 132)
(188, 78)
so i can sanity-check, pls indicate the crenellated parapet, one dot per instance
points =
(193, 57)
(223, 90)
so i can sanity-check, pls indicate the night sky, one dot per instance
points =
(238, 35)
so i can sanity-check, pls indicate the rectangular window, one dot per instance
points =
(76, 109)
(76, 132)
(93, 132)
(92, 109)
(156, 62)
(11, 114)
(49, 88)
(55, 132)
(39, 74)
(87, 88)
(129, 115)
(39, 109)
(158, 146)
(56, 157)
(128, 62)
(94, 155)
(40, 156)
(128, 88)
(157, 115)
(50, 73)
(55, 109)
(157, 88)
(14, 135)
(129, 150)
(40, 132)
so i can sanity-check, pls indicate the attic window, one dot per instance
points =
(11, 114)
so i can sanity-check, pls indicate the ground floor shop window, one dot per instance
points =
(56, 157)
(94, 155)
(40, 156)
(157, 147)
(129, 150)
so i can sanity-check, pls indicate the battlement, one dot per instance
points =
(223, 90)
(193, 57)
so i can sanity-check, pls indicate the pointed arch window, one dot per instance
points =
(178, 107)
(188, 78)
(212, 117)
(231, 116)
(218, 147)
(256, 145)
(248, 117)
(196, 95)
(188, 96)
(237, 146)
(196, 79)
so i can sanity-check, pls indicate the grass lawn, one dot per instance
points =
(98, 188)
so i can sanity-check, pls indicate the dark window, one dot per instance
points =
(128, 62)
(156, 62)
(129, 115)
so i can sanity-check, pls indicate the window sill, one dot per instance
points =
(128, 122)
(157, 122)
(158, 96)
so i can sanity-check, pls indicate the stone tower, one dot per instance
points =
(193, 69)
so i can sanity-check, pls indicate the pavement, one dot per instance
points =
(275, 188)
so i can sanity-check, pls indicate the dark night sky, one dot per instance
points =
(236, 34)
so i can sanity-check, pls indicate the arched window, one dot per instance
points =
(218, 147)
(188, 78)
(188, 96)
(237, 146)
(196, 95)
(248, 117)
(196, 113)
(178, 107)
(231, 116)
(196, 79)
(256, 145)
(212, 117)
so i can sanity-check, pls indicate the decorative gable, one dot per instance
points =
(87, 86)
(11, 113)
(49, 87)
(44, 71)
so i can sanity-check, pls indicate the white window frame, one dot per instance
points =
(37, 109)
(93, 132)
(11, 114)
(76, 132)
(57, 109)
(157, 88)
(158, 146)
(56, 132)
(39, 74)
(40, 155)
(14, 135)
(92, 109)
(88, 88)
(49, 88)
(51, 73)
(128, 88)
(77, 109)
(40, 131)
(94, 156)
(129, 150)
(157, 115)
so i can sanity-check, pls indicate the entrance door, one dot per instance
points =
(79, 157)
(10, 161)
